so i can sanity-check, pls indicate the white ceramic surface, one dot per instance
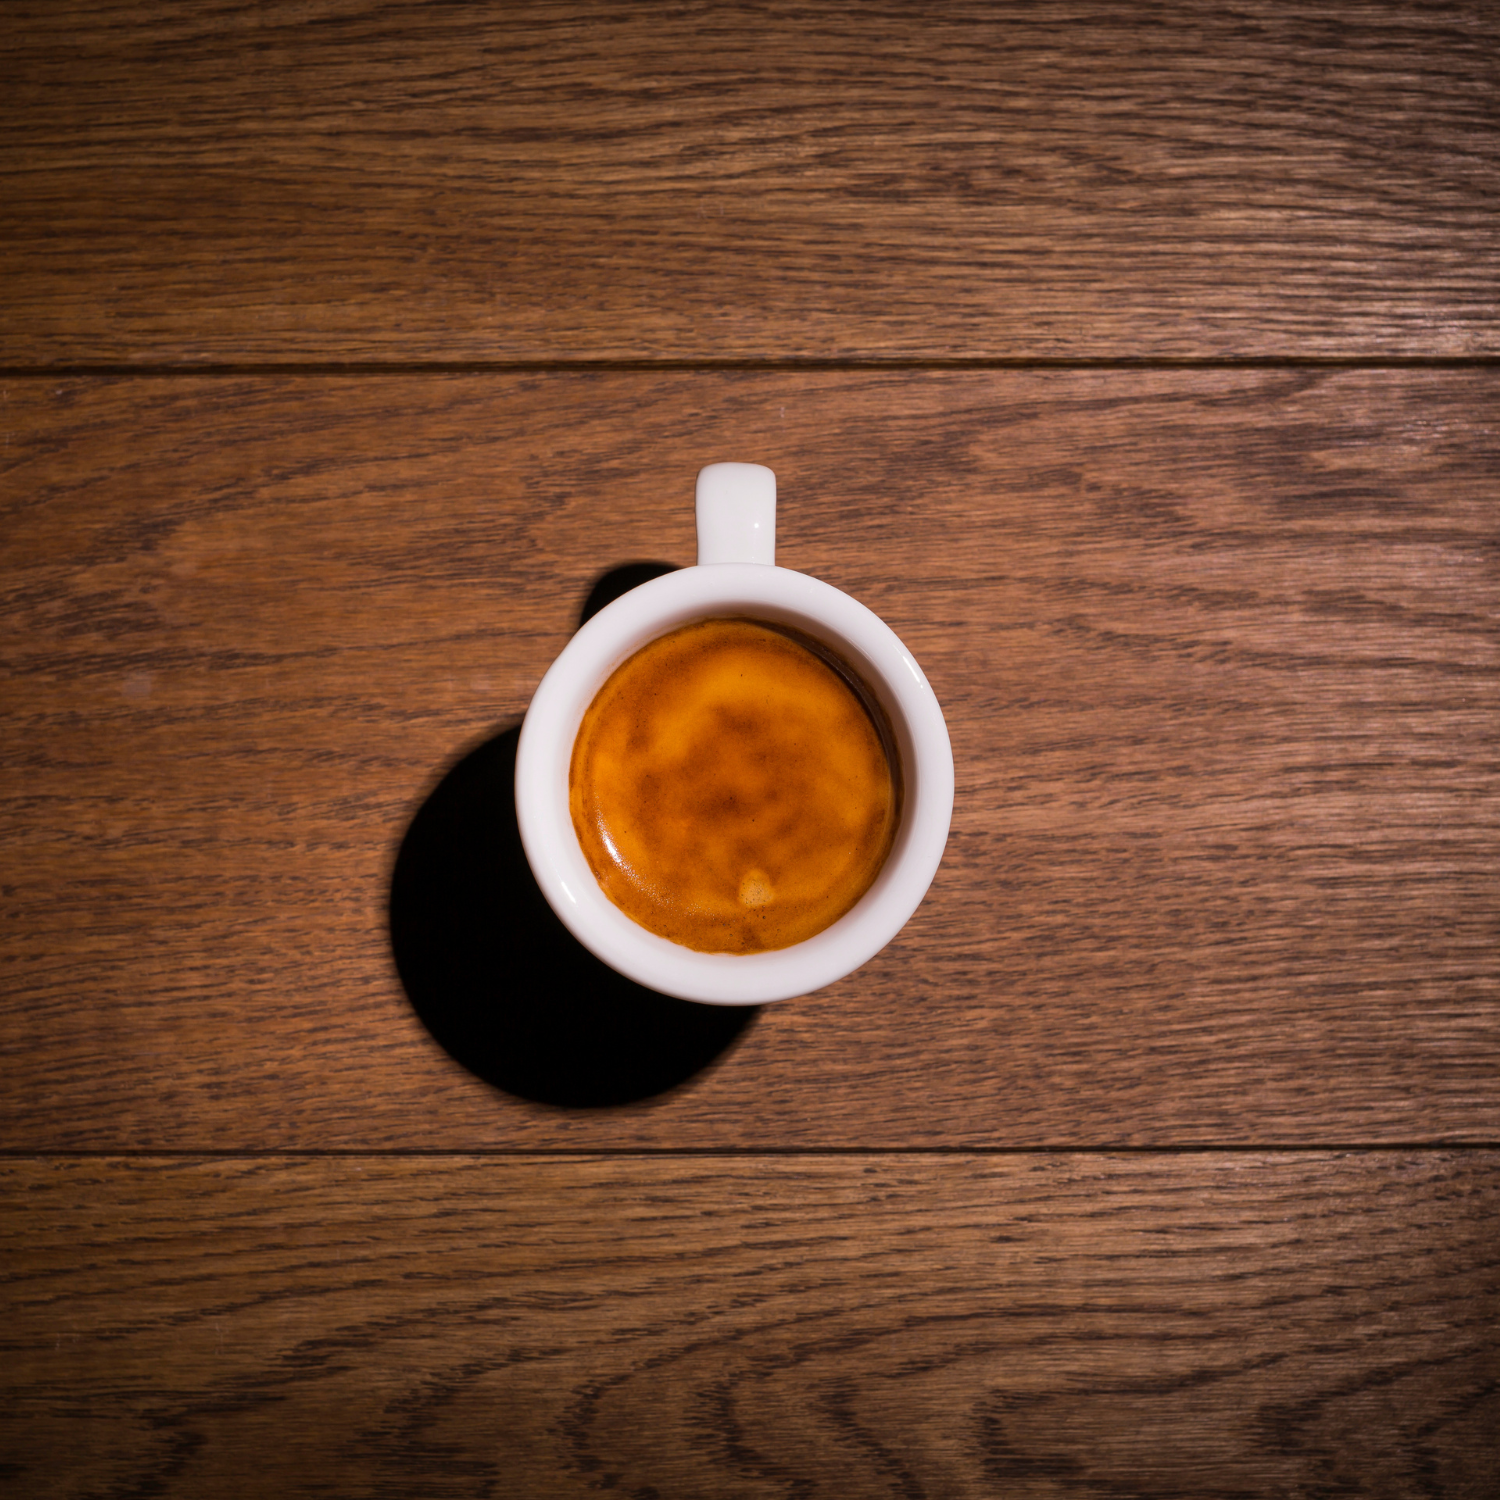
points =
(735, 575)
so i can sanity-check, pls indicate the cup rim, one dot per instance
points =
(544, 755)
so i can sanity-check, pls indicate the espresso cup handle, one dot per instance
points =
(736, 514)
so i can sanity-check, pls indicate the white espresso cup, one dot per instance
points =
(736, 576)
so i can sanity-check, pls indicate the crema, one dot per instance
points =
(734, 789)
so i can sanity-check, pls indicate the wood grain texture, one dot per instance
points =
(1218, 653)
(294, 181)
(1195, 1326)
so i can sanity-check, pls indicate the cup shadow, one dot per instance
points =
(494, 975)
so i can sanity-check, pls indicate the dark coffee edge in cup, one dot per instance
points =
(863, 692)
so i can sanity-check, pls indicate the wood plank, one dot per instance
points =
(295, 181)
(1202, 1325)
(1218, 653)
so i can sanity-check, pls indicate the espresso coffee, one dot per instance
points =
(732, 789)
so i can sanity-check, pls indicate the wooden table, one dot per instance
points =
(1138, 364)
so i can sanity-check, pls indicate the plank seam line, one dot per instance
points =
(706, 1152)
(730, 366)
